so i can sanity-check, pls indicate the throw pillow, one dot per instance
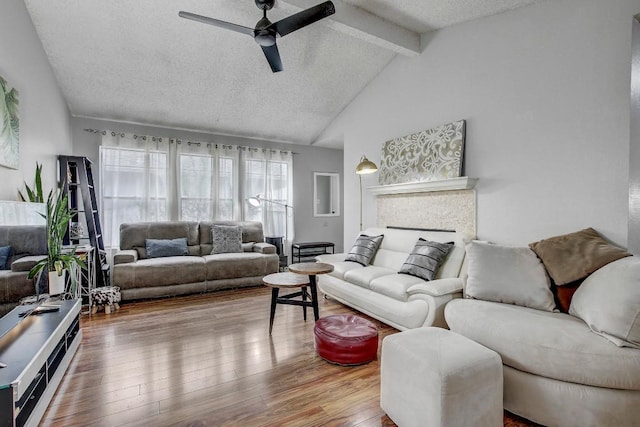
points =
(157, 248)
(609, 302)
(226, 239)
(574, 256)
(364, 249)
(508, 275)
(563, 294)
(425, 259)
(5, 253)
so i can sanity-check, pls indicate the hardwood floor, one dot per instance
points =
(209, 360)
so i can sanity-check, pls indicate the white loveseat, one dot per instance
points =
(399, 300)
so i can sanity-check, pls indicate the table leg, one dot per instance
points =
(304, 298)
(274, 300)
(314, 296)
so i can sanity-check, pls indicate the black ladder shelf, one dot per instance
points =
(76, 174)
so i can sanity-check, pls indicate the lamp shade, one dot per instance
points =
(254, 201)
(366, 166)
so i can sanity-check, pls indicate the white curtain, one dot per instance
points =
(135, 181)
(146, 178)
(269, 174)
(208, 181)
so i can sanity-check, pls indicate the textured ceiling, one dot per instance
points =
(423, 16)
(137, 61)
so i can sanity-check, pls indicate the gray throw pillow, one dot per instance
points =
(425, 259)
(157, 248)
(364, 249)
(226, 239)
(5, 253)
(508, 275)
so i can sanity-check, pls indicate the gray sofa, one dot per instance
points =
(141, 277)
(29, 245)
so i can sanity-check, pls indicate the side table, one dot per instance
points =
(277, 242)
(312, 269)
(287, 280)
(305, 251)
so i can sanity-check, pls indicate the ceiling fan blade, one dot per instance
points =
(304, 18)
(216, 23)
(273, 56)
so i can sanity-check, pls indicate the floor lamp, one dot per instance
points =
(365, 166)
(257, 201)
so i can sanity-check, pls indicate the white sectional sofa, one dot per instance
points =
(557, 372)
(399, 300)
(575, 369)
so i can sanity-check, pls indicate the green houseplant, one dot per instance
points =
(34, 194)
(58, 260)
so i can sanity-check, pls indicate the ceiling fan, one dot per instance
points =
(265, 31)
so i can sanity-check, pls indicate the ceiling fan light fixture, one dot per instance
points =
(265, 4)
(265, 38)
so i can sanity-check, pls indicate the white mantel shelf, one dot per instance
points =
(462, 183)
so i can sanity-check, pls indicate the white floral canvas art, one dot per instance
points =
(9, 126)
(430, 155)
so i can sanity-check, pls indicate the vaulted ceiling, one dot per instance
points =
(138, 62)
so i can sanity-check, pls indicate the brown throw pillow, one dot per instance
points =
(574, 256)
(563, 294)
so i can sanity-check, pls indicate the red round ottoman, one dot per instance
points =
(346, 339)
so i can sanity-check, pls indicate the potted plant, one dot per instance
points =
(58, 260)
(34, 194)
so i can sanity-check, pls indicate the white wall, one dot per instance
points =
(306, 161)
(545, 92)
(44, 116)
(634, 149)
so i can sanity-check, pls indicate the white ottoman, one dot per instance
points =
(433, 377)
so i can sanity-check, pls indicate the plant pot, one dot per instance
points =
(57, 283)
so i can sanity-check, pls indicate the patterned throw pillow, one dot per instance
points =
(364, 249)
(226, 239)
(425, 259)
(157, 248)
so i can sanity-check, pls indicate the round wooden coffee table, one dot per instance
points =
(312, 269)
(287, 280)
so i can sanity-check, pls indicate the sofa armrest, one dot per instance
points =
(26, 263)
(264, 248)
(331, 258)
(125, 256)
(438, 287)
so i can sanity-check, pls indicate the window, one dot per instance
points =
(155, 179)
(226, 189)
(195, 187)
(206, 188)
(267, 173)
(134, 188)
